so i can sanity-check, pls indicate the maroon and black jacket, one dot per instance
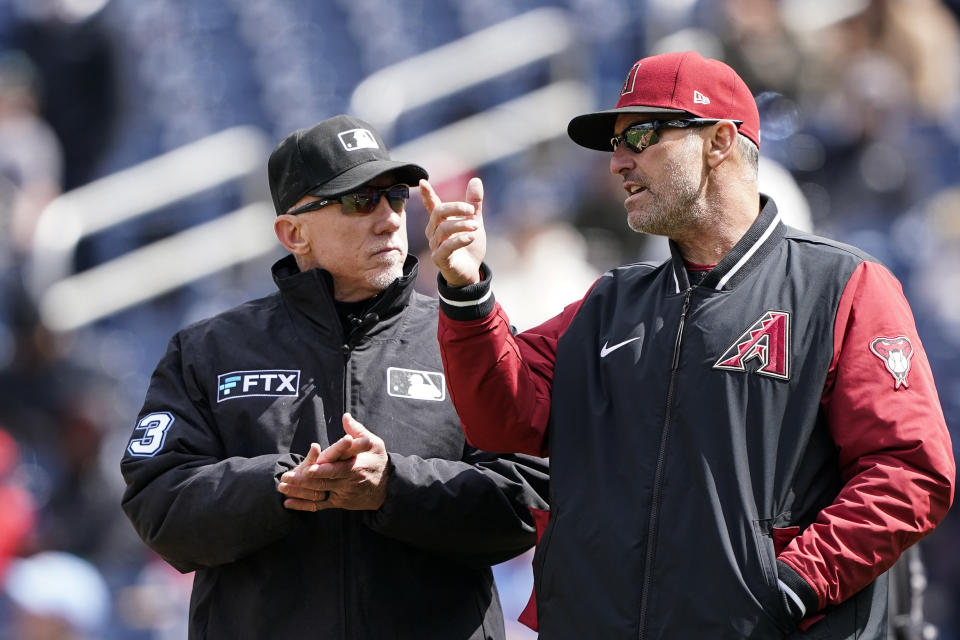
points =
(743, 458)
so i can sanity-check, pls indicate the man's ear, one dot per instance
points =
(721, 143)
(291, 235)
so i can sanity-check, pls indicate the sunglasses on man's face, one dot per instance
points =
(363, 200)
(639, 136)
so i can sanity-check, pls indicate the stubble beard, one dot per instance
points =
(383, 278)
(674, 205)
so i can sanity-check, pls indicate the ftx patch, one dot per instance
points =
(268, 382)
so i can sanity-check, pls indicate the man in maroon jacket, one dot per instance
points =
(744, 438)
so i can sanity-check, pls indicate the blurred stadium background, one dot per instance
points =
(133, 200)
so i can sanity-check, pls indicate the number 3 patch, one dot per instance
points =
(154, 427)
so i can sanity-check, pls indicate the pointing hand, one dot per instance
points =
(455, 233)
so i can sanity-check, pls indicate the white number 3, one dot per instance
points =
(154, 428)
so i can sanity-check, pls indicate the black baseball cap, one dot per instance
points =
(332, 158)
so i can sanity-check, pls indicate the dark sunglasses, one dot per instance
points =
(363, 200)
(644, 134)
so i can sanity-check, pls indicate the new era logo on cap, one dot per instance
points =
(699, 98)
(355, 139)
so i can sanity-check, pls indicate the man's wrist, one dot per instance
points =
(383, 489)
(799, 597)
(459, 283)
(469, 302)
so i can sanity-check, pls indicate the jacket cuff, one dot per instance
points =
(800, 598)
(471, 302)
(285, 463)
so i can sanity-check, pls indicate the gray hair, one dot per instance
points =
(749, 152)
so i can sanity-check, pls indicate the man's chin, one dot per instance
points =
(656, 223)
(383, 279)
(638, 222)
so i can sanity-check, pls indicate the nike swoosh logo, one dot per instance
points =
(606, 350)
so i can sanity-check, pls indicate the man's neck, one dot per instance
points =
(709, 242)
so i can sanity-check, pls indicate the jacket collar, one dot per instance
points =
(311, 293)
(764, 234)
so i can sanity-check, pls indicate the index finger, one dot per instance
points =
(358, 446)
(310, 459)
(429, 196)
(337, 451)
(337, 470)
(312, 455)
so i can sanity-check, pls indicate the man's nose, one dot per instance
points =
(621, 160)
(387, 220)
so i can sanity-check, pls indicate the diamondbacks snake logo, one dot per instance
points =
(896, 354)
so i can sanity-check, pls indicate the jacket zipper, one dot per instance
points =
(344, 533)
(350, 340)
(658, 477)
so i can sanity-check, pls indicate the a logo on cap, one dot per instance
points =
(699, 98)
(355, 139)
(630, 81)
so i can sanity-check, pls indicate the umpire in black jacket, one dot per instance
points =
(300, 453)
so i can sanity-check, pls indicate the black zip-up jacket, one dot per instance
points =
(236, 402)
(739, 458)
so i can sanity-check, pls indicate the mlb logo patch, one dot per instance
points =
(356, 139)
(414, 384)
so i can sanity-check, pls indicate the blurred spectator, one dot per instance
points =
(878, 90)
(57, 596)
(74, 54)
(16, 504)
(757, 43)
(528, 257)
(47, 396)
(30, 156)
(34, 378)
(533, 234)
(157, 601)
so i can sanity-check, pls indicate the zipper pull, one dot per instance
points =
(360, 326)
(368, 321)
(683, 319)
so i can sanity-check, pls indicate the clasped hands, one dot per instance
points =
(349, 474)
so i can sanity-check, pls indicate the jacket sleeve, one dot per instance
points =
(499, 382)
(188, 502)
(894, 449)
(477, 509)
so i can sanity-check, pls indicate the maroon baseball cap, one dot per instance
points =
(670, 85)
